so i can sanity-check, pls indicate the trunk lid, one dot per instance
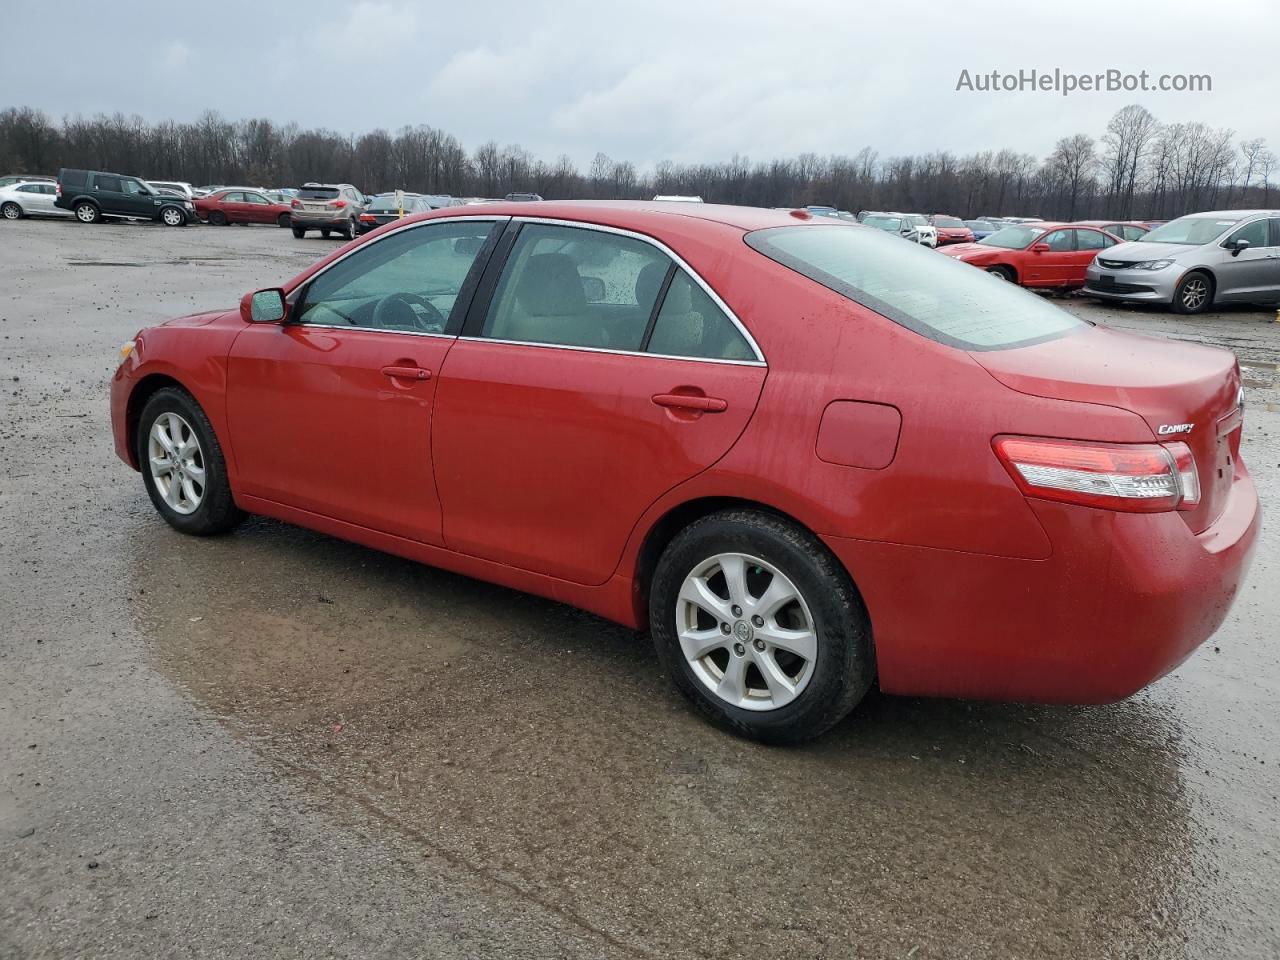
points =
(1167, 383)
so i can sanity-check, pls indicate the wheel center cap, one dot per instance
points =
(742, 630)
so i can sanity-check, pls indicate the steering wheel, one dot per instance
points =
(396, 310)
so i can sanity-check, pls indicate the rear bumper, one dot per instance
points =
(314, 221)
(1122, 600)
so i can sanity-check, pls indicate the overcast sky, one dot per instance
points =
(676, 79)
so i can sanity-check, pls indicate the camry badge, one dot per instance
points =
(1168, 428)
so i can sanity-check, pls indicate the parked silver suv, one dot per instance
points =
(1194, 262)
(327, 207)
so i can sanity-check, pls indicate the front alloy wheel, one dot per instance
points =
(172, 217)
(1193, 295)
(11, 211)
(176, 463)
(746, 632)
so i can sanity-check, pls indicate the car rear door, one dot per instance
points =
(331, 412)
(594, 374)
(1088, 243)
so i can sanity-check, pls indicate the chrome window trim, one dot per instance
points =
(620, 353)
(679, 261)
(400, 333)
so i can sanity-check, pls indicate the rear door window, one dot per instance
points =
(576, 287)
(1092, 240)
(935, 296)
(691, 324)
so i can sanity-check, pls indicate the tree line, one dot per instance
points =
(1138, 168)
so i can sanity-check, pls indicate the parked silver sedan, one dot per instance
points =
(31, 199)
(1194, 262)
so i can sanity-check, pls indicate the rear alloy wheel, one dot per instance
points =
(11, 211)
(87, 213)
(182, 465)
(218, 218)
(1194, 294)
(283, 220)
(1001, 273)
(760, 627)
(351, 231)
(173, 217)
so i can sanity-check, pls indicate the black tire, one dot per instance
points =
(173, 216)
(87, 212)
(844, 666)
(1194, 293)
(352, 229)
(11, 211)
(324, 232)
(299, 232)
(218, 218)
(284, 220)
(1003, 272)
(217, 511)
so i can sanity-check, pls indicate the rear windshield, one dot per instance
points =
(384, 205)
(1190, 230)
(948, 222)
(938, 297)
(318, 193)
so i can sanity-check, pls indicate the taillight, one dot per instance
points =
(58, 189)
(1133, 477)
(296, 204)
(338, 203)
(368, 218)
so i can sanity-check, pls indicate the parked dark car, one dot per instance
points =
(93, 195)
(384, 209)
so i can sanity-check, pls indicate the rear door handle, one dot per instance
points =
(407, 373)
(683, 401)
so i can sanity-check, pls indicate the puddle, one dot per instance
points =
(539, 746)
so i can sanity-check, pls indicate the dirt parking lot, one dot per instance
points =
(276, 744)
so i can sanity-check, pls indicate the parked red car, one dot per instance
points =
(951, 229)
(241, 206)
(799, 452)
(1045, 255)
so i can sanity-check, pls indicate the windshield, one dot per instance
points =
(1195, 230)
(937, 297)
(1012, 238)
(893, 224)
(948, 222)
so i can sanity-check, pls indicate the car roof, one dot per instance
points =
(635, 213)
(1236, 214)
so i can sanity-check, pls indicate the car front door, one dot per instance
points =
(597, 375)
(331, 412)
(1249, 274)
(140, 200)
(1052, 267)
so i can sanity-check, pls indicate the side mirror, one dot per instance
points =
(1238, 245)
(1039, 248)
(593, 287)
(264, 306)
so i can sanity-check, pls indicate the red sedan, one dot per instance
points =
(241, 206)
(951, 229)
(799, 452)
(1045, 255)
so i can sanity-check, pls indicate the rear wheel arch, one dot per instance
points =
(668, 526)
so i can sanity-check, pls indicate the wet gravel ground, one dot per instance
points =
(276, 744)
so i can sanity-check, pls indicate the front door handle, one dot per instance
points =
(407, 373)
(684, 401)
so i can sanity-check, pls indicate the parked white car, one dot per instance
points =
(180, 187)
(926, 232)
(31, 199)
